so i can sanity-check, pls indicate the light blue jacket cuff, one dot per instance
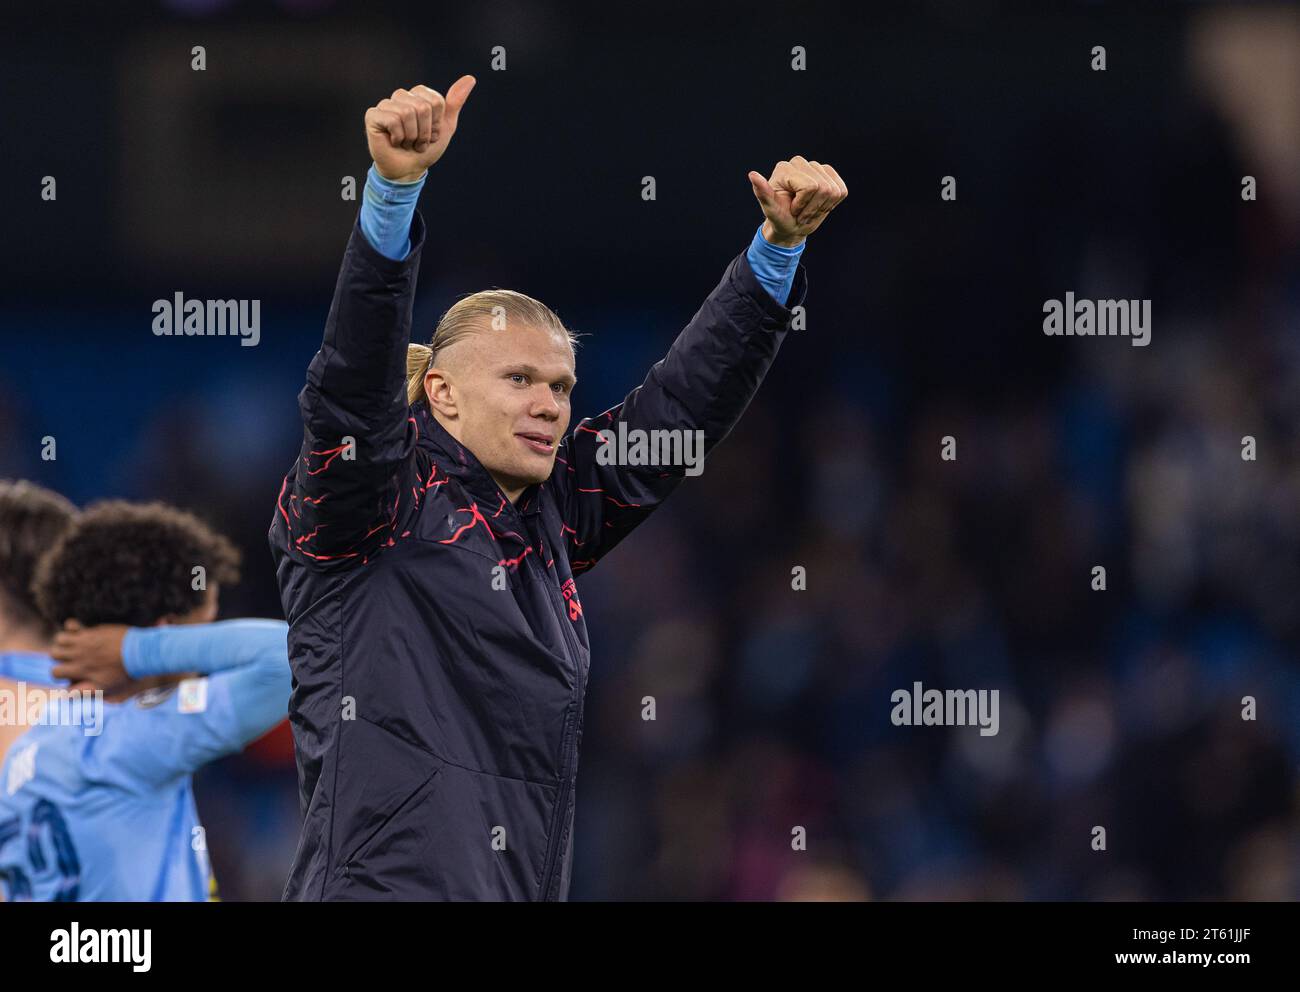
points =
(774, 266)
(387, 208)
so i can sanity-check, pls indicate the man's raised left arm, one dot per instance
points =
(614, 469)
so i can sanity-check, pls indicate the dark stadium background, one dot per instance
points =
(1119, 708)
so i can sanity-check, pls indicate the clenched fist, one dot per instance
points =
(410, 130)
(797, 199)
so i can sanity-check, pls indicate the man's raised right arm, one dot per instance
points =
(343, 495)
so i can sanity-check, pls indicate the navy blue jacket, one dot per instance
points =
(436, 634)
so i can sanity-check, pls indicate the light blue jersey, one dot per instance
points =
(110, 815)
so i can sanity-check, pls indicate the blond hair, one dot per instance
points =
(491, 308)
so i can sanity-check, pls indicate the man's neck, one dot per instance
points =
(510, 494)
(453, 428)
(22, 639)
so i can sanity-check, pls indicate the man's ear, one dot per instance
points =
(438, 388)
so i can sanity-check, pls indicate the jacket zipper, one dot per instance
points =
(549, 871)
(569, 735)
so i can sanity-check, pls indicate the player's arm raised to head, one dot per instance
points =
(344, 494)
(242, 693)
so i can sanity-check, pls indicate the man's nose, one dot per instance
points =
(546, 405)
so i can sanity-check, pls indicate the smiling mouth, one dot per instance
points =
(538, 442)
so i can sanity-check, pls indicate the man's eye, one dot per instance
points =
(519, 375)
(560, 388)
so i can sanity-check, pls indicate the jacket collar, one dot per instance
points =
(458, 462)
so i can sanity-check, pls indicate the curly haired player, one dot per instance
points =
(96, 800)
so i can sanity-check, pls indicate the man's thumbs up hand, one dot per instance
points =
(410, 130)
(797, 198)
